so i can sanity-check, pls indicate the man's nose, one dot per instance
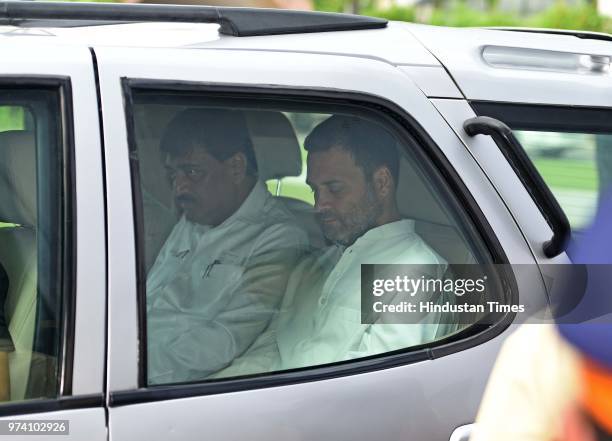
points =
(321, 202)
(181, 182)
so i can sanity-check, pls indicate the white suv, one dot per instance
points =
(86, 91)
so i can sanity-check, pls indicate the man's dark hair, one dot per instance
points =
(369, 144)
(221, 132)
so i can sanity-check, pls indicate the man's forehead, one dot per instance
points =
(333, 164)
(191, 155)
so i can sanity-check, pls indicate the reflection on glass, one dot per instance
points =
(576, 166)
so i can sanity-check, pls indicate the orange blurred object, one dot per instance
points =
(597, 393)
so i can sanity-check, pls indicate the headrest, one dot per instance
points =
(151, 168)
(415, 200)
(276, 147)
(18, 177)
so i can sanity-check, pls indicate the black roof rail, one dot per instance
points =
(239, 22)
(586, 35)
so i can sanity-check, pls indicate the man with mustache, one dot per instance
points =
(353, 172)
(221, 273)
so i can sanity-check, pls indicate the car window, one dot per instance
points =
(30, 244)
(571, 147)
(261, 221)
(576, 166)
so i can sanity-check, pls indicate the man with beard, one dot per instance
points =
(353, 172)
(221, 274)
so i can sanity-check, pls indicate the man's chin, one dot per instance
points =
(335, 236)
(190, 216)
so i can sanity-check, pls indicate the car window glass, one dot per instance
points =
(256, 221)
(576, 166)
(30, 238)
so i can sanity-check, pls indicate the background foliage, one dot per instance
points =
(457, 13)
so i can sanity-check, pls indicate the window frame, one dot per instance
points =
(61, 86)
(405, 125)
(546, 117)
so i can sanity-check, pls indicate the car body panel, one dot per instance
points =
(433, 81)
(83, 424)
(408, 402)
(460, 51)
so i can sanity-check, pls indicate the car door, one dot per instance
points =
(408, 393)
(52, 242)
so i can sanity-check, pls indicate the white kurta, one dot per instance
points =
(212, 291)
(320, 319)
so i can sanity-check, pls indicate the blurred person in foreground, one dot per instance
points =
(589, 416)
(554, 382)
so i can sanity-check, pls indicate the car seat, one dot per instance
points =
(278, 155)
(417, 201)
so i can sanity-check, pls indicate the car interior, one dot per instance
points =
(279, 157)
(18, 253)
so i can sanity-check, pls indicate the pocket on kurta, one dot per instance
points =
(219, 283)
(225, 272)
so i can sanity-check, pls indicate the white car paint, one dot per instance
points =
(406, 64)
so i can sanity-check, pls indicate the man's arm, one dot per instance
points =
(264, 355)
(390, 331)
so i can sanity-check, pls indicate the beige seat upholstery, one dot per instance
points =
(276, 147)
(18, 249)
(278, 156)
(158, 209)
(417, 201)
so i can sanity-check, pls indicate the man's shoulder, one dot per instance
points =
(278, 209)
(277, 226)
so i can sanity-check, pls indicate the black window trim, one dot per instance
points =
(547, 117)
(476, 335)
(14, 408)
(63, 87)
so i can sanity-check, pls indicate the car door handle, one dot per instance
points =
(529, 176)
(462, 433)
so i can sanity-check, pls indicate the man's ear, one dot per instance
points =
(383, 181)
(237, 164)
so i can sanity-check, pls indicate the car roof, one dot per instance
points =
(394, 44)
(398, 43)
